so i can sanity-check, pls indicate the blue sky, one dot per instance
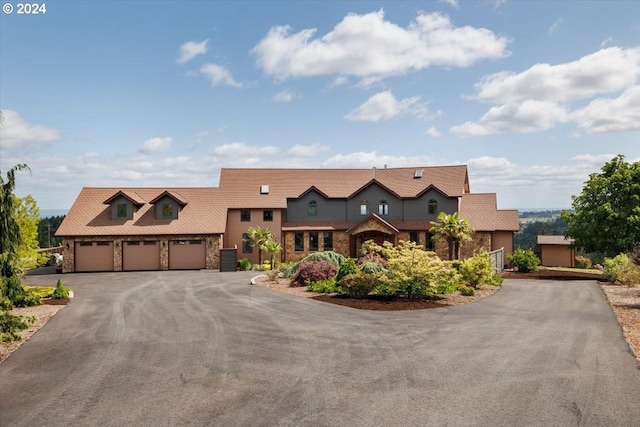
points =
(532, 95)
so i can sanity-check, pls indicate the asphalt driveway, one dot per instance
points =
(205, 348)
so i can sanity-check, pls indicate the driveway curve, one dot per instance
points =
(206, 348)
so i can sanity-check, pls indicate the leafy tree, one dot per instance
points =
(454, 229)
(27, 217)
(272, 247)
(527, 238)
(260, 237)
(607, 212)
(47, 228)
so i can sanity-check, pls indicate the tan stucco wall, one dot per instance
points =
(212, 255)
(557, 256)
(235, 228)
(502, 239)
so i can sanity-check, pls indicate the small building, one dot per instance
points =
(556, 251)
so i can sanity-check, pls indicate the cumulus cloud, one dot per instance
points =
(155, 145)
(545, 95)
(383, 106)
(453, 3)
(362, 159)
(312, 150)
(240, 149)
(17, 132)
(433, 132)
(219, 75)
(372, 48)
(190, 50)
(284, 96)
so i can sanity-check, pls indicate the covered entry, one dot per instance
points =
(140, 255)
(372, 228)
(187, 254)
(93, 256)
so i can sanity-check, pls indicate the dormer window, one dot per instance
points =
(121, 211)
(364, 207)
(383, 208)
(312, 208)
(167, 210)
(433, 207)
(168, 205)
(123, 205)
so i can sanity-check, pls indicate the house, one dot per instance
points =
(556, 251)
(308, 210)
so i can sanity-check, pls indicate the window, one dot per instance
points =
(103, 243)
(313, 241)
(246, 244)
(327, 244)
(149, 243)
(312, 208)
(298, 239)
(195, 242)
(433, 206)
(383, 208)
(86, 243)
(122, 210)
(430, 244)
(245, 215)
(413, 236)
(133, 243)
(264, 189)
(267, 216)
(179, 242)
(364, 207)
(167, 210)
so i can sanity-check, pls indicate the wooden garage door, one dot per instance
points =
(186, 254)
(94, 256)
(140, 255)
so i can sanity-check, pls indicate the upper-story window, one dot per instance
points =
(433, 206)
(167, 210)
(312, 208)
(121, 210)
(267, 216)
(383, 208)
(364, 207)
(245, 215)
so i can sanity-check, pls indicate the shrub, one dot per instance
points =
(524, 261)
(9, 325)
(327, 286)
(273, 275)
(358, 285)
(347, 267)
(60, 292)
(372, 257)
(477, 270)
(371, 267)
(333, 257)
(621, 270)
(467, 291)
(583, 262)
(446, 288)
(289, 269)
(244, 264)
(313, 271)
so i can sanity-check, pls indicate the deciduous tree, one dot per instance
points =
(607, 212)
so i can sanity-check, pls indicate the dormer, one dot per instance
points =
(168, 204)
(124, 204)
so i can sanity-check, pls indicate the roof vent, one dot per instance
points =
(264, 189)
(418, 173)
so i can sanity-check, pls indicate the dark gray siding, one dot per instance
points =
(418, 209)
(328, 209)
(114, 208)
(159, 208)
(374, 194)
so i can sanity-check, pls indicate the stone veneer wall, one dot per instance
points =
(341, 245)
(212, 250)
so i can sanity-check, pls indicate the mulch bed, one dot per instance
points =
(382, 304)
(554, 275)
(59, 301)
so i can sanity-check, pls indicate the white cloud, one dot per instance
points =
(453, 3)
(608, 41)
(284, 96)
(155, 145)
(372, 48)
(190, 50)
(555, 25)
(339, 81)
(611, 115)
(383, 106)
(240, 149)
(219, 75)
(607, 70)
(370, 159)
(433, 132)
(16, 131)
(307, 150)
(529, 116)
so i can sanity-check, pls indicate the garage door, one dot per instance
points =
(94, 256)
(186, 255)
(140, 255)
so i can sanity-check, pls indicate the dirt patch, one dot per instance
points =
(42, 313)
(625, 303)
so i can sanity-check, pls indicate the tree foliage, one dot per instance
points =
(47, 229)
(454, 229)
(27, 216)
(260, 237)
(607, 212)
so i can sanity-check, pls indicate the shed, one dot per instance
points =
(556, 251)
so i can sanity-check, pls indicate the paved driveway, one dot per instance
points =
(205, 348)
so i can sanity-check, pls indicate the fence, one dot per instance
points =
(55, 250)
(497, 260)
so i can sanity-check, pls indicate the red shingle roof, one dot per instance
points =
(482, 213)
(554, 240)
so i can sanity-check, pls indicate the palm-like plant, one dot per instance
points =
(454, 229)
(272, 247)
(259, 237)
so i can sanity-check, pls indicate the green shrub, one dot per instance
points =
(583, 262)
(333, 257)
(358, 285)
(327, 286)
(446, 288)
(347, 267)
(371, 267)
(244, 264)
(621, 270)
(524, 261)
(477, 270)
(289, 269)
(40, 291)
(60, 292)
(467, 291)
(10, 324)
(313, 271)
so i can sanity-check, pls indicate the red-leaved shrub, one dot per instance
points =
(313, 271)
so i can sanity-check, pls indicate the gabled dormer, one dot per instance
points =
(124, 204)
(168, 205)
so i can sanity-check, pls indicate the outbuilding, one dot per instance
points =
(556, 251)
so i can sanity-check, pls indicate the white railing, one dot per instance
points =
(497, 260)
